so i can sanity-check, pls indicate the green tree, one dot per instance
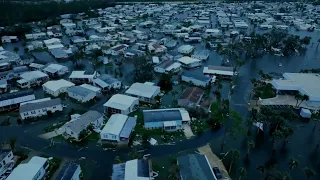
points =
(234, 155)
(142, 70)
(250, 145)
(219, 48)
(82, 134)
(276, 136)
(232, 128)
(117, 160)
(174, 172)
(12, 143)
(298, 97)
(253, 81)
(287, 131)
(249, 123)
(165, 82)
(293, 163)
(304, 98)
(309, 172)
(239, 64)
(242, 172)
(305, 41)
(283, 176)
(16, 49)
(134, 154)
(174, 93)
(261, 73)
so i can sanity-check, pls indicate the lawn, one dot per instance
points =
(198, 126)
(54, 165)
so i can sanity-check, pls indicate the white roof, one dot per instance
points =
(55, 46)
(90, 87)
(184, 114)
(17, 100)
(36, 65)
(27, 171)
(115, 124)
(212, 30)
(305, 83)
(185, 48)
(81, 74)
(121, 101)
(28, 76)
(188, 60)
(207, 70)
(56, 67)
(52, 40)
(143, 90)
(58, 84)
(175, 65)
(155, 59)
(131, 171)
(169, 123)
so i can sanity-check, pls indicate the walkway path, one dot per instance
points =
(187, 131)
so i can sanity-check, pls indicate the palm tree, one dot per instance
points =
(12, 143)
(239, 64)
(261, 73)
(293, 163)
(249, 123)
(182, 88)
(309, 172)
(242, 172)
(250, 145)
(235, 155)
(276, 136)
(287, 131)
(298, 97)
(174, 93)
(117, 160)
(304, 98)
(253, 81)
(15, 49)
(283, 176)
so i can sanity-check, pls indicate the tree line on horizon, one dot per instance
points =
(15, 12)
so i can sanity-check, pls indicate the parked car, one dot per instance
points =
(217, 173)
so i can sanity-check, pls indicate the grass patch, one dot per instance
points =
(54, 165)
(198, 126)
(22, 155)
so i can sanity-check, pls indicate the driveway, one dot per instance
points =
(214, 160)
(51, 134)
(187, 131)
